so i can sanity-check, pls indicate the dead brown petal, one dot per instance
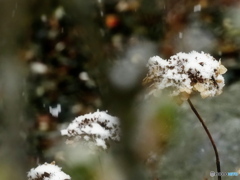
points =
(222, 69)
(184, 96)
(199, 87)
(219, 92)
(219, 80)
(205, 94)
(187, 90)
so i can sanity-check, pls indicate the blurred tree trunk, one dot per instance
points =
(13, 124)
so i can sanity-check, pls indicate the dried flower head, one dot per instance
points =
(184, 73)
(99, 128)
(47, 172)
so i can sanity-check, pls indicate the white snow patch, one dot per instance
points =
(55, 110)
(101, 143)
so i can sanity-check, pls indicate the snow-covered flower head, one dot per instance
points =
(184, 73)
(47, 172)
(98, 127)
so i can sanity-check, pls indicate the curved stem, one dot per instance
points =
(209, 136)
(99, 159)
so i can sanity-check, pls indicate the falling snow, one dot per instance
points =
(55, 110)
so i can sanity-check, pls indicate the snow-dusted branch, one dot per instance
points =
(98, 127)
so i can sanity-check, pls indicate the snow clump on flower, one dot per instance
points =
(47, 172)
(184, 73)
(98, 127)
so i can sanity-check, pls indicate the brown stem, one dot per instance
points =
(209, 136)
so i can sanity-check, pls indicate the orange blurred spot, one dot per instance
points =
(111, 21)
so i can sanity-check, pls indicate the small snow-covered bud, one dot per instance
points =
(184, 73)
(47, 172)
(98, 127)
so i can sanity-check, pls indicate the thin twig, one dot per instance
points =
(209, 136)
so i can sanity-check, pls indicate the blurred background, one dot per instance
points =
(61, 59)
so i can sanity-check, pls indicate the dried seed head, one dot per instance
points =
(99, 128)
(47, 172)
(184, 73)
